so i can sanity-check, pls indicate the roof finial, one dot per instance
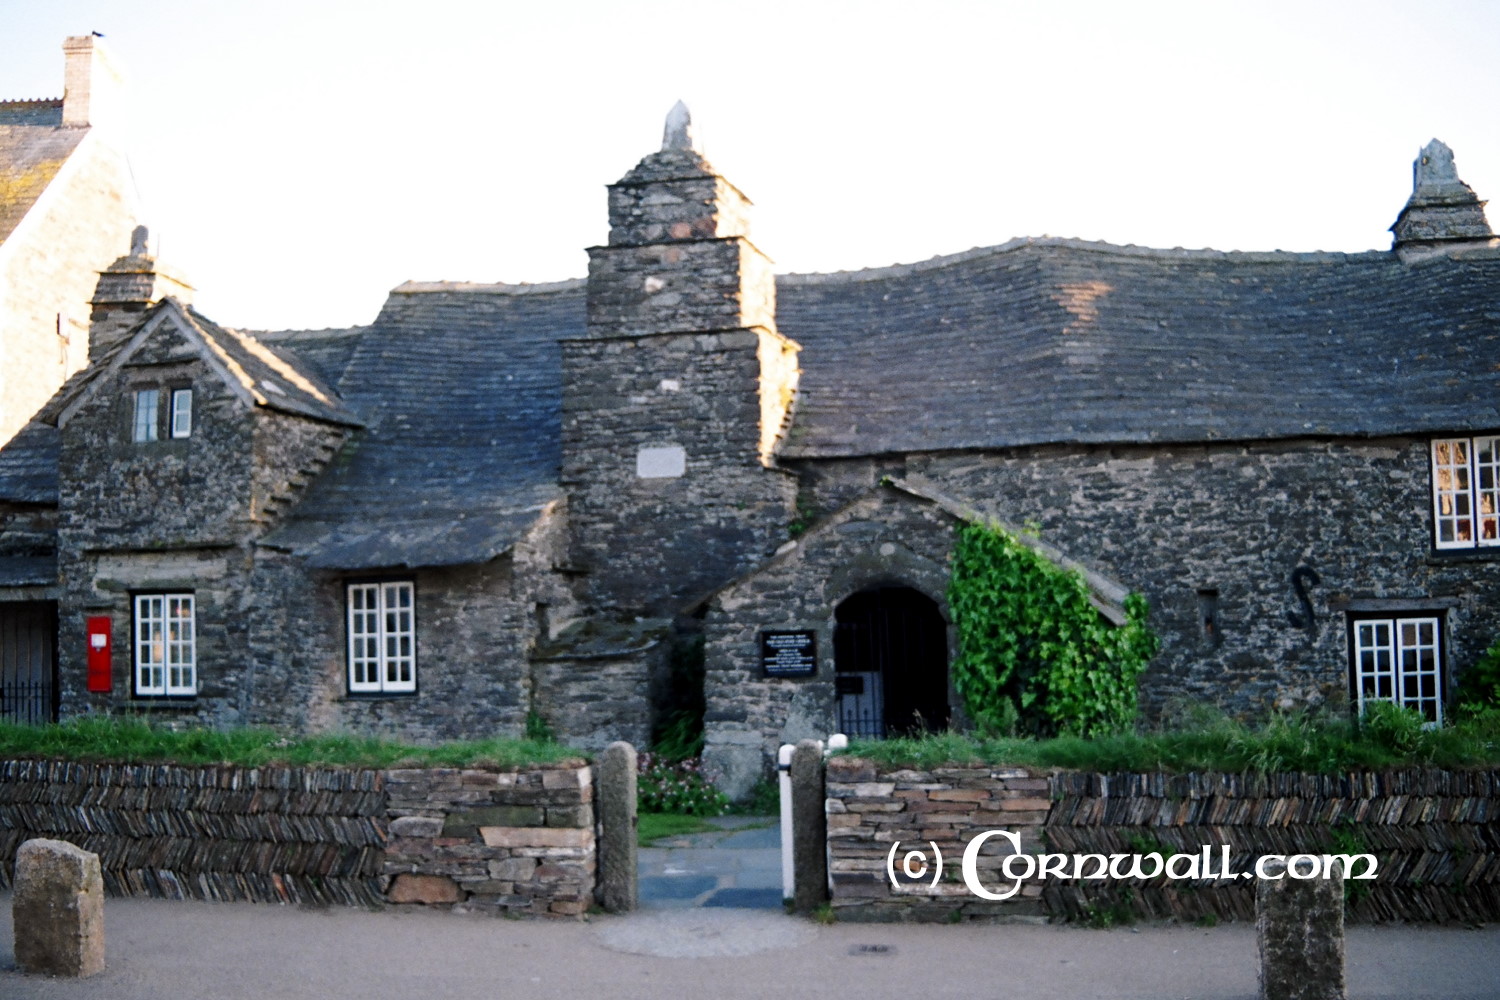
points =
(138, 241)
(1434, 167)
(678, 133)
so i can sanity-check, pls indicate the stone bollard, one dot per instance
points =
(809, 828)
(619, 883)
(58, 909)
(1299, 928)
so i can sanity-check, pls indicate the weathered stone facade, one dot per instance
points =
(510, 507)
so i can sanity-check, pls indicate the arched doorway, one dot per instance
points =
(890, 647)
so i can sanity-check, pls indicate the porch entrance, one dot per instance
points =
(890, 649)
(28, 661)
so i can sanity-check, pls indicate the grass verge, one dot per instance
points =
(1386, 738)
(653, 826)
(135, 740)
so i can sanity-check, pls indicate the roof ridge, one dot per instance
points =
(493, 288)
(1091, 246)
(31, 100)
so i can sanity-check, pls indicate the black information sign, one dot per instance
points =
(789, 654)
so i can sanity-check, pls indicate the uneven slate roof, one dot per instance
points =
(273, 377)
(323, 353)
(459, 388)
(28, 465)
(33, 148)
(28, 571)
(1062, 341)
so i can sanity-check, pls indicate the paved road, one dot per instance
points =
(738, 866)
(244, 951)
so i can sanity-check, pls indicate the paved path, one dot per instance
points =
(738, 866)
(246, 951)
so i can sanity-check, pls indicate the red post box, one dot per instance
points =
(99, 664)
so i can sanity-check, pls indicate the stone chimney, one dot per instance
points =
(675, 396)
(91, 83)
(126, 289)
(1443, 212)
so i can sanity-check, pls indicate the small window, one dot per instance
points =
(145, 423)
(1466, 492)
(182, 413)
(1399, 660)
(166, 661)
(382, 638)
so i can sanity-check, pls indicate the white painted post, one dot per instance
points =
(784, 785)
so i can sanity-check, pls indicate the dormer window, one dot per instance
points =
(146, 418)
(144, 425)
(182, 413)
(1466, 492)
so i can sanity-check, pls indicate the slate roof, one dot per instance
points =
(265, 375)
(1062, 341)
(272, 376)
(459, 388)
(33, 148)
(28, 465)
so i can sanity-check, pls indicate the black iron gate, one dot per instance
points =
(891, 663)
(28, 661)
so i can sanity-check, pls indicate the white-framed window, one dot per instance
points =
(144, 424)
(1466, 492)
(166, 645)
(182, 413)
(382, 637)
(1399, 659)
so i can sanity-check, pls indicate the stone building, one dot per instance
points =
(67, 207)
(500, 504)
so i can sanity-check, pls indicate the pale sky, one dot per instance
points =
(297, 159)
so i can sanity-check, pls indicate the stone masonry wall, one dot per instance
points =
(519, 841)
(473, 636)
(658, 542)
(1433, 834)
(884, 539)
(1230, 523)
(513, 842)
(268, 834)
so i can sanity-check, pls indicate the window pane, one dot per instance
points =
(144, 427)
(182, 413)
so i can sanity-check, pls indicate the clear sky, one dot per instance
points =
(297, 158)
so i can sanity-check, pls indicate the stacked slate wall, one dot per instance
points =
(269, 834)
(1435, 835)
(519, 841)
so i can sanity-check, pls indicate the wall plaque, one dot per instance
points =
(789, 654)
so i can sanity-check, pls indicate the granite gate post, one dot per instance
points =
(809, 828)
(58, 909)
(619, 884)
(1299, 930)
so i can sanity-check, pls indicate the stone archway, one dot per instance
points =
(891, 663)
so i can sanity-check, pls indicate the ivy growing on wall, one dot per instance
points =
(1034, 655)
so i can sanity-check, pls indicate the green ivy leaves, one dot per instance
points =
(1034, 654)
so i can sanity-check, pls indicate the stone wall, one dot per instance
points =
(886, 538)
(513, 842)
(1220, 528)
(472, 638)
(517, 840)
(1432, 832)
(269, 834)
(655, 542)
